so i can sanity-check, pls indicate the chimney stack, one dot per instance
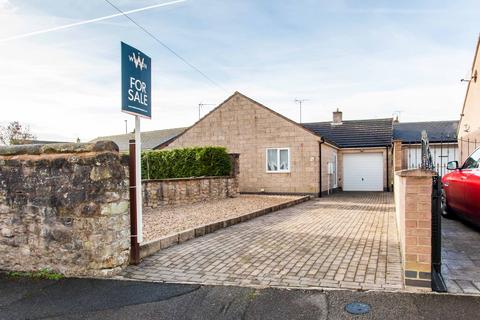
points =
(337, 117)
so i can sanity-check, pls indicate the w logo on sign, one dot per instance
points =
(138, 61)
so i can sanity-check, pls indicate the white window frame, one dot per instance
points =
(278, 160)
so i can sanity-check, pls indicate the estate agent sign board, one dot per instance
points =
(136, 82)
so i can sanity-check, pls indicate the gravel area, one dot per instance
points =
(166, 220)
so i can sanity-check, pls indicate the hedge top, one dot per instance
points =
(186, 163)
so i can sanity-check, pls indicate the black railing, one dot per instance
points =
(427, 160)
(467, 146)
(438, 283)
(443, 149)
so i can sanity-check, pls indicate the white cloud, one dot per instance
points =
(6, 6)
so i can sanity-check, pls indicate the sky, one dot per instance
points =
(370, 59)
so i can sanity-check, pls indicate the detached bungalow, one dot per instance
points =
(278, 155)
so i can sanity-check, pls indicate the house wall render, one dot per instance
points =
(64, 207)
(469, 127)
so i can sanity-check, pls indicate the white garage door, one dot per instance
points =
(362, 172)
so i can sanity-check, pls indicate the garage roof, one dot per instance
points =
(355, 133)
(437, 131)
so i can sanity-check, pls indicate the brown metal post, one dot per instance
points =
(388, 168)
(320, 167)
(134, 246)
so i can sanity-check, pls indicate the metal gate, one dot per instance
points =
(438, 284)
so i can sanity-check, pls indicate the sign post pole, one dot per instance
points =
(137, 101)
(138, 178)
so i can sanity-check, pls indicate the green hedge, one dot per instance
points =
(185, 163)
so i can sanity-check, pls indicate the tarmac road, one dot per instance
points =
(24, 298)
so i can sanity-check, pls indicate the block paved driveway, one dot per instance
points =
(461, 256)
(347, 240)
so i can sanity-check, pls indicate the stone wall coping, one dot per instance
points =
(187, 179)
(56, 148)
(418, 173)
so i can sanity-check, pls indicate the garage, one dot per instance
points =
(363, 172)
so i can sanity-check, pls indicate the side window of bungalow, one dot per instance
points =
(278, 160)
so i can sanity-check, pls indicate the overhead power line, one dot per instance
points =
(83, 22)
(166, 46)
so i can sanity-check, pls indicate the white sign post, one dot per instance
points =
(138, 177)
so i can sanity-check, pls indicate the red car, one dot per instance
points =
(461, 189)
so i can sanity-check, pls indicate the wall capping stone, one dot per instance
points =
(416, 173)
(58, 148)
(146, 181)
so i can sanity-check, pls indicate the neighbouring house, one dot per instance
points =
(469, 127)
(150, 139)
(363, 157)
(442, 136)
(278, 155)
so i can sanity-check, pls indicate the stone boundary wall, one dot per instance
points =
(64, 207)
(413, 207)
(190, 190)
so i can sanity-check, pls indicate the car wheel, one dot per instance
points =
(445, 209)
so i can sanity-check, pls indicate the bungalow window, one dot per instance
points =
(278, 160)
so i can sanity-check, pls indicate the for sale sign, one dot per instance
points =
(136, 82)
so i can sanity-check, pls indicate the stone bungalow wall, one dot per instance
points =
(190, 190)
(64, 207)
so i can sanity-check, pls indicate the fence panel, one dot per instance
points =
(442, 153)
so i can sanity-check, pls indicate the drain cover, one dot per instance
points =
(357, 308)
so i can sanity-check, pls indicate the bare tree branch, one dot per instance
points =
(15, 133)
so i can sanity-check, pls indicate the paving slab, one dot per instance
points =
(461, 256)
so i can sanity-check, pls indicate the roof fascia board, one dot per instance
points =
(376, 147)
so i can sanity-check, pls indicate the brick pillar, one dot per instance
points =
(397, 156)
(413, 205)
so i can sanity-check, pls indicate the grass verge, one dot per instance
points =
(41, 274)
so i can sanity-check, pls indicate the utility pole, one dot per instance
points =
(200, 106)
(126, 126)
(300, 101)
